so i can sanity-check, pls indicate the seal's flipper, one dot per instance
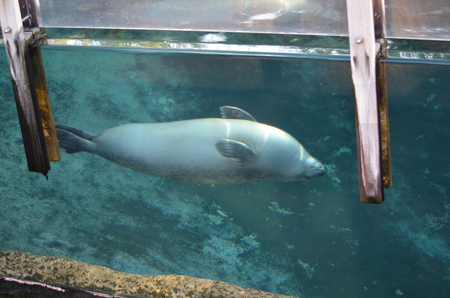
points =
(73, 142)
(234, 149)
(235, 113)
(76, 131)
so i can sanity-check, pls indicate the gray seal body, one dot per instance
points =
(212, 150)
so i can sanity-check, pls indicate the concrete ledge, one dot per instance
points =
(64, 271)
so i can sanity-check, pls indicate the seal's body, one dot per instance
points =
(210, 150)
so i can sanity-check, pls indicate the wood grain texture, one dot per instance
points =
(25, 95)
(364, 76)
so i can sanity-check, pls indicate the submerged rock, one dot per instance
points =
(64, 271)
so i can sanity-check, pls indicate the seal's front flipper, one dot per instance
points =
(74, 140)
(234, 149)
(235, 113)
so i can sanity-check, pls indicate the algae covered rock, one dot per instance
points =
(64, 271)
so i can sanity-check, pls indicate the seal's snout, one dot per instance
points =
(313, 169)
(317, 170)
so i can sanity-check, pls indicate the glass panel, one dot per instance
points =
(323, 17)
(417, 210)
(248, 234)
(311, 238)
(414, 19)
(418, 19)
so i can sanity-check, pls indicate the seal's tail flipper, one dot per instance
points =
(75, 140)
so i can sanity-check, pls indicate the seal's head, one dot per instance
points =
(311, 168)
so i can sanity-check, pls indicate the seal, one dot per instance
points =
(232, 149)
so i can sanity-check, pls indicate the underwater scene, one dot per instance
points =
(310, 238)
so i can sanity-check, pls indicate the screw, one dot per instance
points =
(7, 30)
(359, 39)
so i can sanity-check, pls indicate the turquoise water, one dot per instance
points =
(310, 238)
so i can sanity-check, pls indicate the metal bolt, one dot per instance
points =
(359, 39)
(7, 30)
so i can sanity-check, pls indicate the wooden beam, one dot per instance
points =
(26, 98)
(386, 173)
(45, 108)
(363, 53)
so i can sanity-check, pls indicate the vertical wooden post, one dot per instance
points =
(32, 11)
(386, 173)
(362, 17)
(380, 34)
(43, 99)
(25, 95)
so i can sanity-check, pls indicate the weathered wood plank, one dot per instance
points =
(363, 53)
(386, 172)
(26, 98)
(45, 108)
